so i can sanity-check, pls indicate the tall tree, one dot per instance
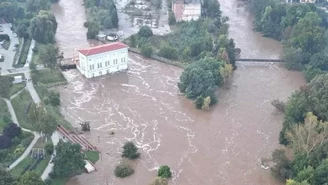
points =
(43, 122)
(68, 160)
(30, 178)
(43, 27)
(49, 56)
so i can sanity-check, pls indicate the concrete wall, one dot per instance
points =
(103, 63)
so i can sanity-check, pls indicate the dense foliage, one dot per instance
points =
(5, 177)
(164, 172)
(43, 27)
(49, 56)
(69, 160)
(30, 178)
(100, 15)
(145, 32)
(301, 27)
(43, 122)
(305, 130)
(12, 130)
(160, 181)
(123, 170)
(130, 150)
(5, 142)
(49, 148)
(5, 84)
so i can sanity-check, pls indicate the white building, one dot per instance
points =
(103, 59)
(307, 1)
(186, 10)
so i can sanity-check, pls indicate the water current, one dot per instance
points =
(223, 146)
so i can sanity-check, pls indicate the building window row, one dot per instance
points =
(107, 63)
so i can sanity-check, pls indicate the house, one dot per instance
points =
(186, 10)
(103, 59)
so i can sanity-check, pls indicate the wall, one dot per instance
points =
(104, 63)
(191, 12)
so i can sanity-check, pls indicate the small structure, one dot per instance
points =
(18, 79)
(103, 59)
(186, 10)
(89, 166)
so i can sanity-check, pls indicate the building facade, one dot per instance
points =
(102, 60)
(307, 1)
(186, 10)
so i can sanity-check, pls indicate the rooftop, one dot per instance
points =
(102, 48)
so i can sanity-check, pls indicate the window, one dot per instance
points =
(92, 67)
(100, 65)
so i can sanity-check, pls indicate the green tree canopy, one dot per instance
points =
(130, 150)
(49, 55)
(43, 27)
(145, 32)
(5, 177)
(164, 172)
(69, 160)
(30, 178)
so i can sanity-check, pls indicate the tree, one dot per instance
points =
(37, 5)
(278, 105)
(147, 50)
(292, 182)
(43, 122)
(130, 150)
(123, 170)
(32, 67)
(164, 172)
(318, 92)
(85, 125)
(49, 55)
(5, 142)
(68, 160)
(43, 27)
(282, 165)
(54, 98)
(305, 175)
(133, 41)
(12, 130)
(320, 174)
(5, 84)
(93, 30)
(306, 137)
(8, 11)
(49, 148)
(171, 18)
(30, 178)
(211, 8)
(114, 17)
(160, 181)
(145, 32)
(5, 177)
(167, 52)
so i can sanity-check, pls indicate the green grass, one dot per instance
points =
(93, 156)
(54, 111)
(29, 161)
(48, 77)
(23, 56)
(19, 104)
(4, 115)
(16, 87)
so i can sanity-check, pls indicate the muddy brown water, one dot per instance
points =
(223, 146)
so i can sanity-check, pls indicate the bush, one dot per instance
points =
(279, 105)
(147, 51)
(48, 181)
(130, 151)
(54, 98)
(123, 170)
(171, 18)
(12, 130)
(159, 181)
(164, 172)
(86, 24)
(5, 142)
(167, 51)
(4, 37)
(145, 32)
(49, 148)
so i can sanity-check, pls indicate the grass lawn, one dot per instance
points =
(23, 56)
(9, 155)
(30, 163)
(48, 77)
(17, 87)
(20, 104)
(4, 115)
(93, 156)
(54, 111)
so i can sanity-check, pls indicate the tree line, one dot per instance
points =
(101, 14)
(302, 28)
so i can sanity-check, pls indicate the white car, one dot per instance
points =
(15, 35)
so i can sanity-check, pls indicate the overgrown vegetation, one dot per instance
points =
(100, 15)
(123, 170)
(302, 30)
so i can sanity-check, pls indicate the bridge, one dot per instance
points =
(258, 60)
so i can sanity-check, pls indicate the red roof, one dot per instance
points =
(102, 48)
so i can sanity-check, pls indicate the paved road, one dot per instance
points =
(8, 54)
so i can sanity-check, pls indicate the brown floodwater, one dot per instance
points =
(223, 146)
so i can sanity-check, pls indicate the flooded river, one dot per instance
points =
(223, 146)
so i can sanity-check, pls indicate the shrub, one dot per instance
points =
(49, 148)
(130, 151)
(5, 142)
(279, 105)
(123, 170)
(164, 172)
(145, 32)
(54, 98)
(171, 18)
(147, 51)
(12, 130)
(86, 24)
(85, 125)
(159, 181)
(4, 37)
(19, 149)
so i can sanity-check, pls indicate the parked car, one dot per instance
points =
(15, 35)
(16, 45)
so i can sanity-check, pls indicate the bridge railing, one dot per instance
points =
(258, 60)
